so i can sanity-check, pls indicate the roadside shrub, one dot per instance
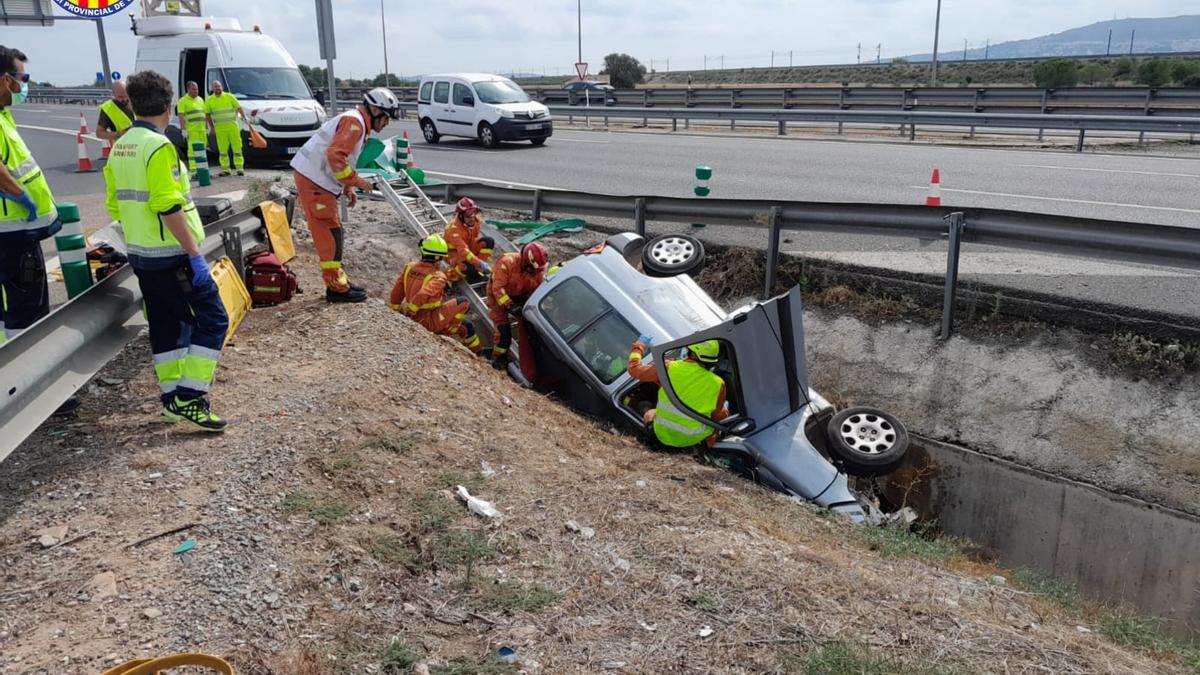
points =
(1154, 73)
(1093, 72)
(1124, 67)
(1182, 70)
(1056, 73)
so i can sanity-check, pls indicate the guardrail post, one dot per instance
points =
(1079, 143)
(912, 131)
(639, 216)
(674, 124)
(1045, 95)
(231, 238)
(537, 205)
(783, 127)
(957, 222)
(447, 193)
(840, 127)
(773, 222)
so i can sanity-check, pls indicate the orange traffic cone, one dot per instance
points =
(82, 124)
(411, 164)
(85, 164)
(934, 198)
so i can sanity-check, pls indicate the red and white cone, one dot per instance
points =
(934, 198)
(106, 148)
(85, 164)
(411, 164)
(82, 124)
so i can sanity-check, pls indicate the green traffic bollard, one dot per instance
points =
(401, 145)
(703, 174)
(200, 156)
(72, 250)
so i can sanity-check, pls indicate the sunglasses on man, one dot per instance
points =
(20, 77)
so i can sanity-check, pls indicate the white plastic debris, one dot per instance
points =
(476, 505)
(585, 532)
(486, 470)
(706, 631)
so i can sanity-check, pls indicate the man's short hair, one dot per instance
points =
(9, 57)
(190, 83)
(149, 93)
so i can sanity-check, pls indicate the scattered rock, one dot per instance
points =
(151, 613)
(1083, 630)
(409, 608)
(154, 476)
(998, 580)
(421, 669)
(585, 532)
(612, 665)
(640, 483)
(524, 632)
(354, 584)
(104, 585)
(272, 600)
(649, 627)
(486, 470)
(51, 536)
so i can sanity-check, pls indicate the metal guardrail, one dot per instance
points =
(48, 363)
(1092, 238)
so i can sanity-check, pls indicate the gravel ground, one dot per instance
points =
(325, 534)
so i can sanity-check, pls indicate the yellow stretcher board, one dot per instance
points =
(279, 232)
(233, 292)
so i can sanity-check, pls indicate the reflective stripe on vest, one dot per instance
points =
(223, 108)
(25, 170)
(192, 110)
(145, 234)
(411, 307)
(311, 161)
(698, 389)
(119, 119)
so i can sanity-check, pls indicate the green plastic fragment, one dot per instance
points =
(539, 230)
(185, 546)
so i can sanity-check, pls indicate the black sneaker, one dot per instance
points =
(194, 410)
(241, 173)
(500, 363)
(357, 289)
(352, 295)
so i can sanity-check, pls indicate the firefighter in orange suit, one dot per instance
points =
(469, 252)
(515, 276)
(324, 168)
(420, 293)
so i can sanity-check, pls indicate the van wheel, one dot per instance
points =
(866, 442)
(430, 131)
(670, 254)
(487, 135)
(538, 141)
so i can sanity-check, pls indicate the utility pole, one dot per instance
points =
(706, 61)
(723, 58)
(772, 58)
(387, 77)
(1108, 49)
(937, 27)
(104, 53)
(1131, 34)
(986, 46)
(668, 64)
(878, 51)
(790, 63)
(579, 26)
(964, 49)
(858, 59)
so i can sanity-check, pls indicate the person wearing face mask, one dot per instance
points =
(115, 114)
(149, 193)
(324, 168)
(27, 211)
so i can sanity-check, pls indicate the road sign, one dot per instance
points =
(116, 75)
(99, 76)
(581, 68)
(325, 29)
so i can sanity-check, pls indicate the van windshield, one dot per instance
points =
(265, 83)
(500, 91)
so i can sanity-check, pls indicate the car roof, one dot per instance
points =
(473, 77)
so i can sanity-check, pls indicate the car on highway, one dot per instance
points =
(489, 108)
(575, 340)
(580, 92)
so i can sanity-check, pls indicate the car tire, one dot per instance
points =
(668, 255)
(487, 135)
(430, 132)
(538, 141)
(866, 442)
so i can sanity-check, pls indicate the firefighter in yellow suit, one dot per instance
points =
(223, 109)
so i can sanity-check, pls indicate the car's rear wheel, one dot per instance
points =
(670, 254)
(866, 442)
(487, 135)
(429, 131)
(538, 141)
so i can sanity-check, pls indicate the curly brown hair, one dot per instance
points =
(149, 93)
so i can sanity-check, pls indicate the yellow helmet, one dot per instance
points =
(706, 351)
(435, 246)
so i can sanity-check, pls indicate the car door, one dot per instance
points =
(441, 109)
(462, 108)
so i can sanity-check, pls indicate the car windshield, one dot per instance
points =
(500, 91)
(597, 334)
(266, 83)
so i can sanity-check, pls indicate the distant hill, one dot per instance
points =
(1150, 36)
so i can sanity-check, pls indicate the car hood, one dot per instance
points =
(528, 106)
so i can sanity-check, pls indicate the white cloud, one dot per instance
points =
(486, 35)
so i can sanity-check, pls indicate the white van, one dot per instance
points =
(488, 107)
(252, 66)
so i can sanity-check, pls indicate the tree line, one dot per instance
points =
(1059, 73)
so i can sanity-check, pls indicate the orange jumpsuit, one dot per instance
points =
(420, 293)
(321, 206)
(467, 248)
(510, 282)
(647, 372)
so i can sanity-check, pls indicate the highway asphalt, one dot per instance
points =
(1132, 187)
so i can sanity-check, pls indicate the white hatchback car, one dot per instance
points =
(475, 105)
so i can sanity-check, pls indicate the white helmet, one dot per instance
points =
(384, 99)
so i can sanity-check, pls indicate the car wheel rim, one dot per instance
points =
(868, 433)
(428, 129)
(672, 251)
(487, 136)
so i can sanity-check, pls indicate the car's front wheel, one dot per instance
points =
(670, 254)
(538, 141)
(866, 442)
(429, 131)
(487, 135)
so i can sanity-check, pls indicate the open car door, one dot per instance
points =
(763, 364)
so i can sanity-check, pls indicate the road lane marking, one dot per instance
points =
(992, 264)
(1081, 168)
(66, 132)
(1060, 199)
(560, 139)
(493, 181)
(443, 148)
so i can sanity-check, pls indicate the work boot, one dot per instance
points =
(224, 172)
(241, 173)
(350, 295)
(195, 410)
(500, 363)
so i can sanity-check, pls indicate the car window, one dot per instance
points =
(441, 92)
(604, 346)
(572, 306)
(496, 92)
(426, 91)
(463, 95)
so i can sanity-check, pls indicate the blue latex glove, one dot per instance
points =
(484, 267)
(26, 201)
(646, 340)
(201, 277)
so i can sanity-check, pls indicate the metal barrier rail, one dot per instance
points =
(48, 363)
(1091, 238)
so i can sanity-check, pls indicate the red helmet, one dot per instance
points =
(534, 256)
(466, 208)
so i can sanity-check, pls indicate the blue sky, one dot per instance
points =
(537, 35)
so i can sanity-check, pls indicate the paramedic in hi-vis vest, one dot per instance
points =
(115, 115)
(324, 169)
(223, 110)
(27, 211)
(191, 121)
(148, 193)
(696, 386)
